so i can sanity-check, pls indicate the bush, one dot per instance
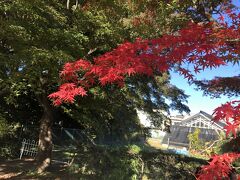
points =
(8, 140)
(194, 141)
(102, 162)
(133, 162)
(160, 165)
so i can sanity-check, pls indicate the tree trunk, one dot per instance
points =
(45, 135)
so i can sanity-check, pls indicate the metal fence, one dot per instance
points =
(24, 141)
(29, 148)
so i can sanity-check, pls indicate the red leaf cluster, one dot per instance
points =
(219, 167)
(230, 113)
(66, 93)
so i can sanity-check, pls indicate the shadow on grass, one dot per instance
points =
(25, 169)
(106, 162)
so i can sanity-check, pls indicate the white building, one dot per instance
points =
(181, 126)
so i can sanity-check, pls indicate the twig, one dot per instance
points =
(211, 145)
(142, 167)
(68, 1)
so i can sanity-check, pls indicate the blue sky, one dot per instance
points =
(197, 101)
(236, 2)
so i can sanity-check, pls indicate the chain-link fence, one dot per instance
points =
(65, 140)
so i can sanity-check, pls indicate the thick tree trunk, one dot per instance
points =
(45, 135)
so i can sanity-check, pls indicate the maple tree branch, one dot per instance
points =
(210, 146)
(68, 1)
(233, 40)
(235, 167)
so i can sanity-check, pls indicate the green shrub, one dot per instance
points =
(128, 162)
(4, 127)
(194, 141)
(8, 140)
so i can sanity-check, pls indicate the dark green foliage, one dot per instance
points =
(228, 86)
(10, 148)
(127, 163)
(104, 162)
(167, 166)
(230, 145)
(8, 139)
(38, 37)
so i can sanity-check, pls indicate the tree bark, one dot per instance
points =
(44, 155)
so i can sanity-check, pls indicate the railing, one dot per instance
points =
(29, 148)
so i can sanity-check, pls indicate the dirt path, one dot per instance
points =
(24, 169)
(14, 168)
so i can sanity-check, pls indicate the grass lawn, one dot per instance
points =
(104, 164)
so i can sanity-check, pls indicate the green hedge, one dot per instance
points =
(131, 162)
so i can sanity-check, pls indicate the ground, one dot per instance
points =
(23, 169)
(155, 143)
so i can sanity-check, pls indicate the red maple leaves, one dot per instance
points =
(219, 167)
(230, 113)
(67, 93)
(196, 44)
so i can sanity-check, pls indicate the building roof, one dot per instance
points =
(206, 114)
(207, 118)
(178, 135)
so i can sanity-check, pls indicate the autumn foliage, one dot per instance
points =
(230, 113)
(203, 45)
(219, 167)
